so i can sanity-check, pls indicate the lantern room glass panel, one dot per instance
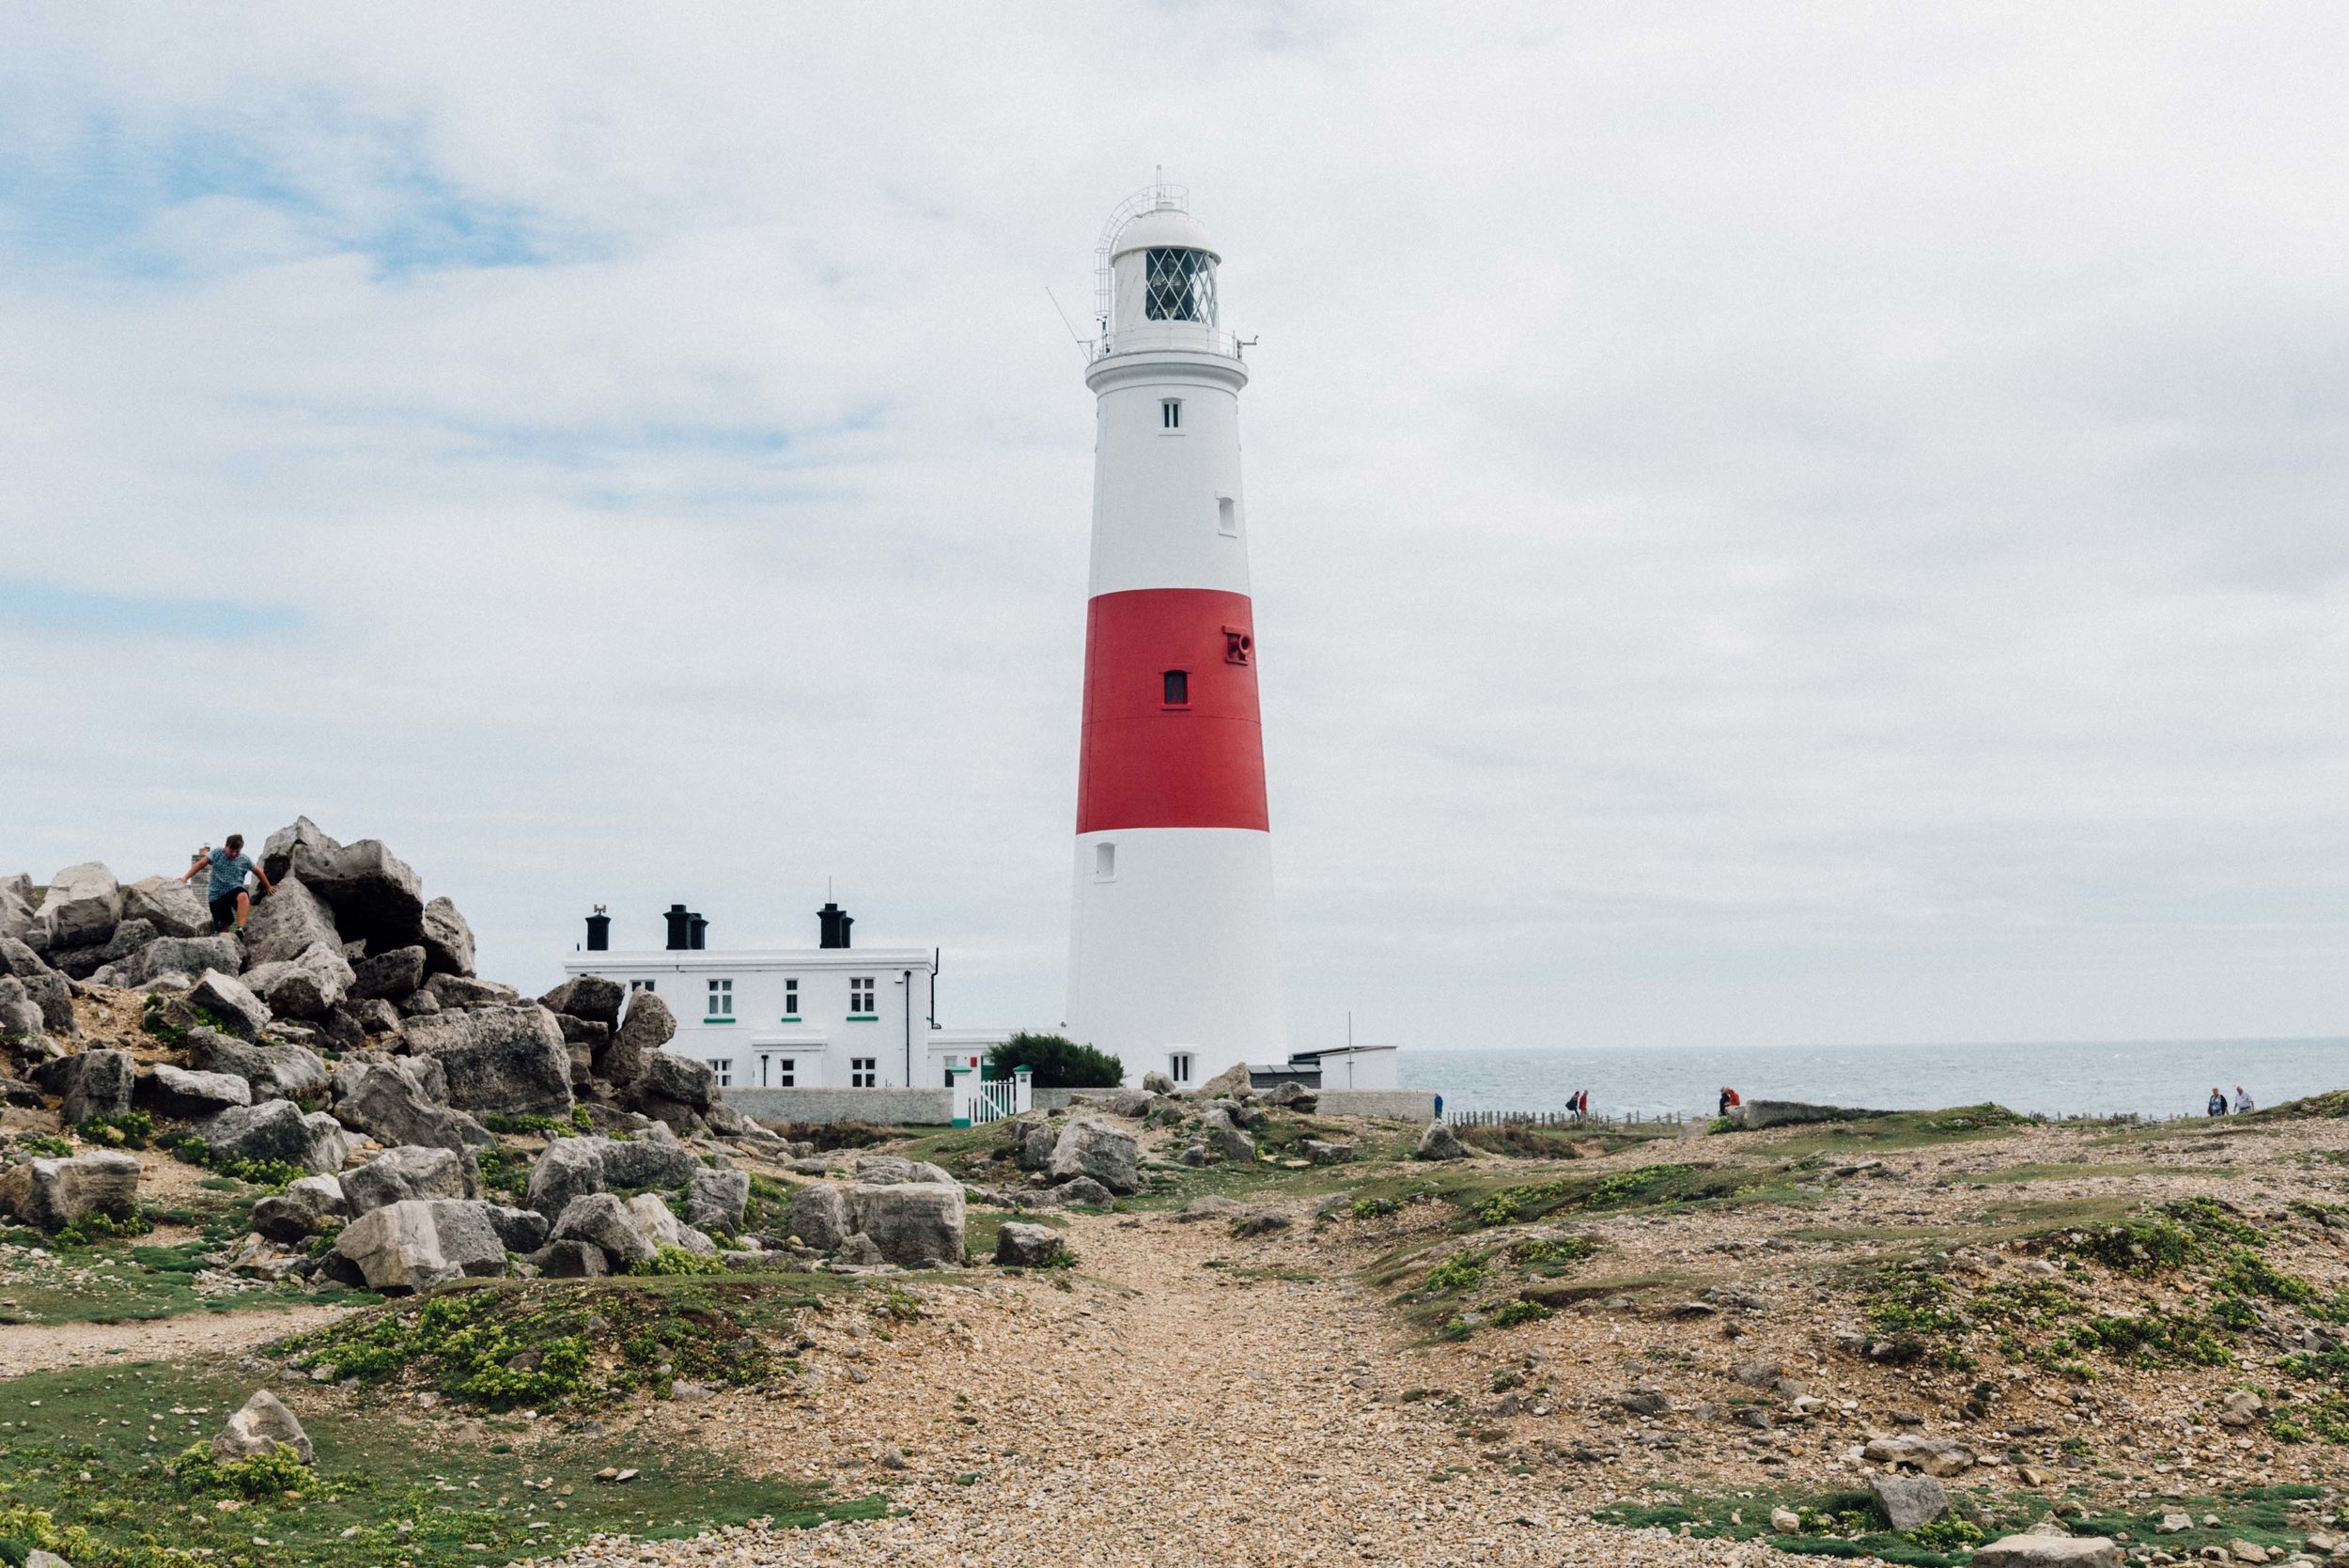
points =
(1180, 287)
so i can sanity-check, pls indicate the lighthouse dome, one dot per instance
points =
(1164, 229)
(1158, 279)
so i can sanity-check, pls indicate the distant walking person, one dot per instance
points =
(230, 865)
(2241, 1101)
(2217, 1106)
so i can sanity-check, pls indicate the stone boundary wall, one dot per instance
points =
(883, 1107)
(1403, 1105)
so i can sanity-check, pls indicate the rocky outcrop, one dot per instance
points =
(500, 1061)
(818, 1216)
(54, 1193)
(94, 1085)
(674, 1090)
(1908, 1502)
(1090, 1147)
(412, 1170)
(287, 923)
(1233, 1081)
(568, 1168)
(652, 1217)
(80, 910)
(277, 851)
(273, 1071)
(636, 1044)
(394, 1103)
(376, 897)
(1934, 1456)
(260, 1427)
(717, 1200)
(589, 998)
(891, 1170)
(188, 956)
(303, 1210)
(279, 1131)
(178, 1094)
(16, 905)
(601, 1222)
(448, 939)
(420, 1243)
(173, 907)
(915, 1224)
(387, 975)
(1440, 1142)
(230, 1001)
(310, 985)
(2050, 1551)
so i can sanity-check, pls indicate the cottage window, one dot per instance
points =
(864, 1072)
(790, 1001)
(720, 999)
(861, 996)
(723, 1066)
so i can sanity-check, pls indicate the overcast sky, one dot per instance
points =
(1772, 524)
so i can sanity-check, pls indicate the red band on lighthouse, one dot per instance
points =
(1172, 738)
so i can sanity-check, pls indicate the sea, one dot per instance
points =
(2147, 1077)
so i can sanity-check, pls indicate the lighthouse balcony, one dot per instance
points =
(1158, 337)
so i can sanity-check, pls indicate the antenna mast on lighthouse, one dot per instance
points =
(1173, 960)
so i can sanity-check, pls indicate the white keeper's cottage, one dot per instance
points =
(828, 1016)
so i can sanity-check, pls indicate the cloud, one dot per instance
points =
(1815, 526)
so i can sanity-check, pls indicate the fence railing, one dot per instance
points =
(1561, 1119)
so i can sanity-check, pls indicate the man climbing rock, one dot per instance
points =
(230, 865)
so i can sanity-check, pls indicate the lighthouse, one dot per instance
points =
(1173, 962)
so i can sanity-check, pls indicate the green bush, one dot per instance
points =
(1520, 1312)
(1460, 1271)
(676, 1260)
(260, 1173)
(1054, 1063)
(131, 1129)
(263, 1475)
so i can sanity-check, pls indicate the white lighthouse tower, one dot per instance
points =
(1173, 963)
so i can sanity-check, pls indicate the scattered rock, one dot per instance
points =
(376, 899)
(172, 954)
(303, 1210)
(1785, 1521)
(716, 1200)
(410, 1171)
(1018, 1246)
(310, 985)
(231, 1002)
(258, 1427)
(389, 1100)
(648, 1214)
(1440, 1142)
(1233, 1081)
(1078, 1189)
(278, 1130)
(589, 998)
(1036, 1142)
(448, 939)
(568, 1168)
(890, 1170)
(288, 922)
(1090, 1147)
(94, 1084)
(1908, 1500)
(649, 1026)
(1210, 1207)
(818, 1216)
(1258, 1223)
(283, 1071)
(915, 1224)
(387, 975)
(500, 1061)
(2048, 1552)
(2240, 1408)
(1644, 1402)
(1321, 1153)
(602, 1221)
(417, 1244)
(178, 1094)
(1934, 1456)
(1158, 1084)
(54, 1193)
(81, 908)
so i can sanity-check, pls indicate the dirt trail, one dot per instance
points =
(43, 1347)
(1159, 1411)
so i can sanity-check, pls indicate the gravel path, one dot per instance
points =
(1159, 1411)
(43, 1347)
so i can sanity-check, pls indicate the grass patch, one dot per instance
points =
(1901, 1129)
(463, 1499)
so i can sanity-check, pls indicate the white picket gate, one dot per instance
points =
(978, 1101)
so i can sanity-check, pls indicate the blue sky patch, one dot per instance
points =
(74, 610)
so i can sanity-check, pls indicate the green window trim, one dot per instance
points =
(865, 1017)
(788, 1018)
(717, 1020)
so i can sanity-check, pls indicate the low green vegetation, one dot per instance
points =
(584, 1344)
(110, 1467)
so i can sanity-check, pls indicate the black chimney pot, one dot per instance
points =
(680, 928)
(699, 930)
(598, 931)
(834, 922)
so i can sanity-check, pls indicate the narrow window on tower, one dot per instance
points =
(1227, 514)
(1170, 413)
(1178, 687)
(791, 1000)
(1179, 1066)
(1105, 863)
